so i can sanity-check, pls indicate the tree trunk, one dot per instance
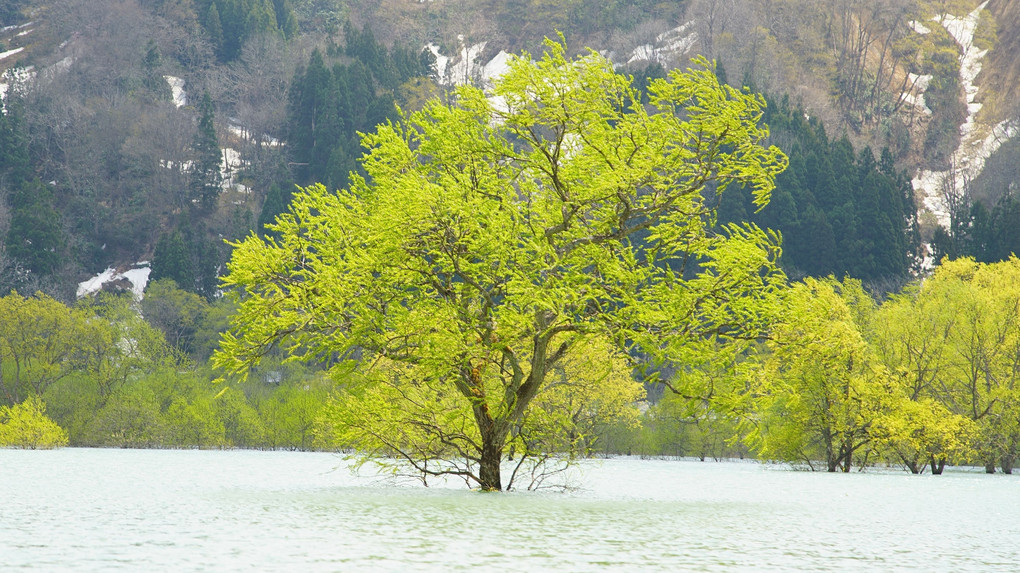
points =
(990, 467)
(831, 461)
(913, 464)
(488, 465)
(1007, 465)
(937, 466)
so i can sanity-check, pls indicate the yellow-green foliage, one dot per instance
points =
(25, 425)
(820, 392)
(488, 242)
(986, 33)
(591, 392)
(397, 408)
(953, 343)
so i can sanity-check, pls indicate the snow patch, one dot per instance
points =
(246, 134)
(137, 276)
(180, 166)
(9, 53)
(496, 68)
(441, 61)
(14, 76)
(57, 68)
(918, 27)
(977, 141)
(11, 28)
(176, 84)
(668, 46)
(229, 168)
(915, 95)
(464, 69)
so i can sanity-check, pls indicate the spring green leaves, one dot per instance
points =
(499, 235)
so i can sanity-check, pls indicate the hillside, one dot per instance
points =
(110, 116)
(1001, 75)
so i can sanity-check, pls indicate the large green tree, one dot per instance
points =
(820, 393)
(495, 237)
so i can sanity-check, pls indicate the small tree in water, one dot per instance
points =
(497, 239)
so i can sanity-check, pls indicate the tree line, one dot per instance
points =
(841, 211)
(106, 376)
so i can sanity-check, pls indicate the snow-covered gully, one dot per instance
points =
(977, 141)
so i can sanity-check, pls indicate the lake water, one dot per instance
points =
(150, 510)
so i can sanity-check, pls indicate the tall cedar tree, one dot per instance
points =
(205, 171)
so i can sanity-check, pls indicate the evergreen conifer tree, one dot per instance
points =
(35, 236)
(214, 28)
(277, 200)
(205, 172)
(172, 260)
(153, 78)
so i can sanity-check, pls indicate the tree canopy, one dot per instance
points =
(495, 237)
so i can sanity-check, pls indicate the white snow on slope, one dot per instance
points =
(177, 90)
(915, 95)
(230, 166)
(465, 67)
(10, 28)
(918, 27)
(668, 45)
(23, 75)
(496, 68)
(14, 75)
(441, 61)
(137, 276)
(977, 141)
(9, 53)
(246, 134)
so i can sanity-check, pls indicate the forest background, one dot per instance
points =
(103, 165)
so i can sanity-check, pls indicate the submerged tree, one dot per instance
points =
(820, 393)
(496, 238)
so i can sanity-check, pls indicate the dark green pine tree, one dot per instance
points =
(261, 19)
(206, 257)
(285, 19)
(172, 260)
(214, 29)
(234, 19)
(994, 235)
(10, 12)
(153, 78)
(839, 212)
(205, 171)
(15, 166)
(277, 200)
(35, 236)
(315, 127)
(361, 88)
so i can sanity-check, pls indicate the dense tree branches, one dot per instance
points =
(492, 240)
